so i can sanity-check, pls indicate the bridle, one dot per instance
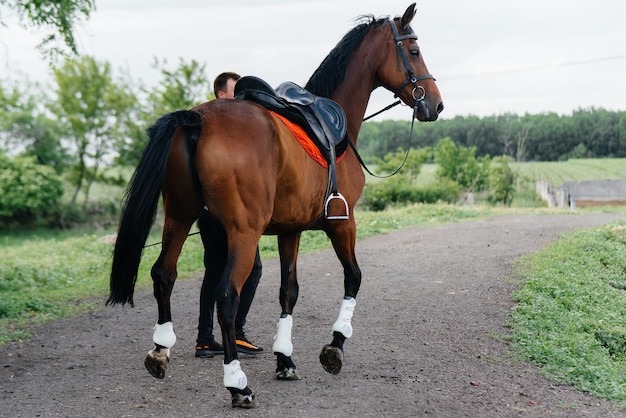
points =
(411, 78)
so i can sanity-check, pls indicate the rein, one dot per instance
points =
(160, 242)
(411, 78)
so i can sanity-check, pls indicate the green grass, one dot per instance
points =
(570, 316)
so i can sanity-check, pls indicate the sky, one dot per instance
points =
(489, 57)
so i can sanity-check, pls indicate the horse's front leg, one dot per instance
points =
(343, 239)
(163, 277)
(283, 347)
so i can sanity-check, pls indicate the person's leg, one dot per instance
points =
(214, 261)
(245, 300)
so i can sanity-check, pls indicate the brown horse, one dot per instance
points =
(253, 176)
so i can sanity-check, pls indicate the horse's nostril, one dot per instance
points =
(440, 107)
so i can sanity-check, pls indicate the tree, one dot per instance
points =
(95, 111)
(460, 165)
(26, 127)
(183, 88)
(55, 17)
(501, 181)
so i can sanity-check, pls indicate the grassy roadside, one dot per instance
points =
(570, 316)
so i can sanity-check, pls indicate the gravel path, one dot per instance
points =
(427, 340)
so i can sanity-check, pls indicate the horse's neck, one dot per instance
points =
(354, 93)
(353, 97)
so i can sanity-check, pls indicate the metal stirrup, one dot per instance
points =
(338, 196)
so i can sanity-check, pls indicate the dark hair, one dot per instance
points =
(220, 81)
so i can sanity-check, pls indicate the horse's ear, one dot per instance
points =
(408, 16)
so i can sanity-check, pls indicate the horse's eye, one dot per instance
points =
(415, 52)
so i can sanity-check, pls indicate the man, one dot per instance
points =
(214, 240)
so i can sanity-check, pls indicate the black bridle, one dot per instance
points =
(411, 78)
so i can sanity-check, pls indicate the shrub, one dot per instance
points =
(442, 191)
(27, 190)
(501, 182)
(400, 190)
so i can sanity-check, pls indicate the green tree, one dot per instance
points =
(460, 165)
(26, 127)
(501, 181)
(182, 88)
(95, 110)
(56, 18)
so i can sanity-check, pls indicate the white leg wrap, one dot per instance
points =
(343, 323)
(234, 377)
(164, 335)
(282, 339)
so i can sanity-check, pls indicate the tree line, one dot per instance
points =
(586, 133)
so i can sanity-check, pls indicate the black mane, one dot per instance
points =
(331, 72)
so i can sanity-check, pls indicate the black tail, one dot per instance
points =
(140, 203)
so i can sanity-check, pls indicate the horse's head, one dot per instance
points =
(404, 72)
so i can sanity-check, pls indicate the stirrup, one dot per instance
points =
(338, 196)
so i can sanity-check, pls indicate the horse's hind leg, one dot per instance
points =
(283, 347)
(238, 267)
(163, 277)
(343, 239)
(182, 204)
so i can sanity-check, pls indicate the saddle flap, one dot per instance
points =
(324, 111)
(332, 118)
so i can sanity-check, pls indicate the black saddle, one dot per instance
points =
(321, 118)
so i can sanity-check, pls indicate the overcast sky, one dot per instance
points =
(489, 56)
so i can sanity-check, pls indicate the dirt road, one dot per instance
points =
(427, 340)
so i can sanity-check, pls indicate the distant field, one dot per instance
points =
(584, 169)
(557, 172)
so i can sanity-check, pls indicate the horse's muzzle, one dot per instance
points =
(425, 114)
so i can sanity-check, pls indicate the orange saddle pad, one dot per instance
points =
(305, 141)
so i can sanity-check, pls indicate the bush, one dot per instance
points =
(442, 191)
(27, 190)
(501, 182)
(399, 190)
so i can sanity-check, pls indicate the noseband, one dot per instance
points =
(411, 78)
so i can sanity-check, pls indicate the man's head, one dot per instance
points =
(224, 85)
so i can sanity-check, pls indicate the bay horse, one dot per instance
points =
(243, 165)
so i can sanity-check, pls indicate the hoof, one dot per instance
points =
(288, 373)
(243, 398)
(331, 359)
(156, 363)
